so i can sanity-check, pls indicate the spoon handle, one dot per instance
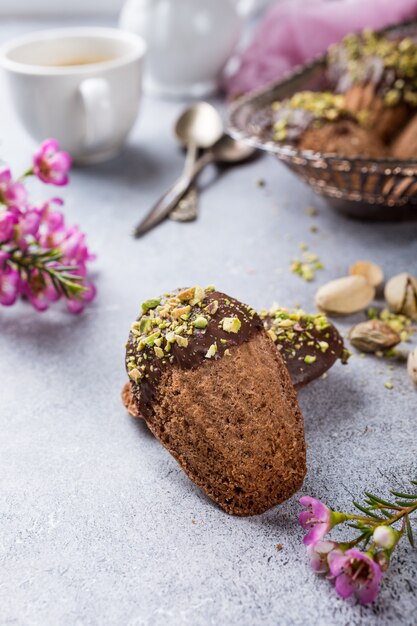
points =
(169, 200)
(187, 207)
(191, 157)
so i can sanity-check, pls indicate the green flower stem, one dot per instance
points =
(62, 277)
(28, 172)
(403, 512)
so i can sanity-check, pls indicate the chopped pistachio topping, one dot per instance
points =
(135, 375)
(272, 334)
(295, 329)
(181, 341)
(181, 311)
(231, 324)
(166, 326)
(399, 60)
(150, 304)
(199, 295)
(397, 321)
(212, 307)
(211, 351)
(200, 322)
(306, 267)
(320, 107)
(311, 211)
(310, 359)
(186, 295)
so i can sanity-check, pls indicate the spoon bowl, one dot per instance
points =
(229, 150)
(199, 125)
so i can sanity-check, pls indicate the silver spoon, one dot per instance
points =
(226, 150)
(198, 127)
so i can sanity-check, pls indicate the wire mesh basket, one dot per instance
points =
(367, 188)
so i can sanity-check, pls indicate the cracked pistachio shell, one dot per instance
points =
(371, 271)
(344, 296)
(412, 366)
(401, 294)
(373, 336)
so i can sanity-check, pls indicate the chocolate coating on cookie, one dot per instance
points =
(309, 344)
(287, 120)
(306, 109)
(318, 121)
(183, 329)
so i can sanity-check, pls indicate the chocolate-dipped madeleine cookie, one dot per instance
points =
(309, 344)
(320, 121)
(377, 74)
(214, 390)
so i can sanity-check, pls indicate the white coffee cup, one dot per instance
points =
(81, 86)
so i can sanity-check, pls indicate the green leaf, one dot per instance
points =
(408, 496)
(407, 503)
(365, 510)
(356, 526)
(55, 284)
(64, 289)
(72, 277)
(377, 499)
(42, 278)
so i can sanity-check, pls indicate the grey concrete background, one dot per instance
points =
(99, 526)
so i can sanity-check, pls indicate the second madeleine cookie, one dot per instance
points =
(321, 122)
(215, 391)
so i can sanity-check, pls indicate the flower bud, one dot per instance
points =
(385, 537)
(382, 559)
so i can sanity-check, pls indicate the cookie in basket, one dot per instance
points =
(377, 73)
(321, 122)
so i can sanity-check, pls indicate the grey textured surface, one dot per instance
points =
(98, 523)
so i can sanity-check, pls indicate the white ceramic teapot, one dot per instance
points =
(189, 41)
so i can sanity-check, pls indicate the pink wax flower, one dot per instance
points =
(77, 305)
(11, 193)
(51, 164)
(9, 286)
(29, 222)
(53, 220)
(7, 222)
(52, 230)
(318, 554)
(41, 258)
(318, 519)
(39, 291)
(355, 572)
(74, 247)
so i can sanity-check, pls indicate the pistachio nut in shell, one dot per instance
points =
(371, 271)
(401, 294)
(412, 365)
(373, 335)
(344, 296)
